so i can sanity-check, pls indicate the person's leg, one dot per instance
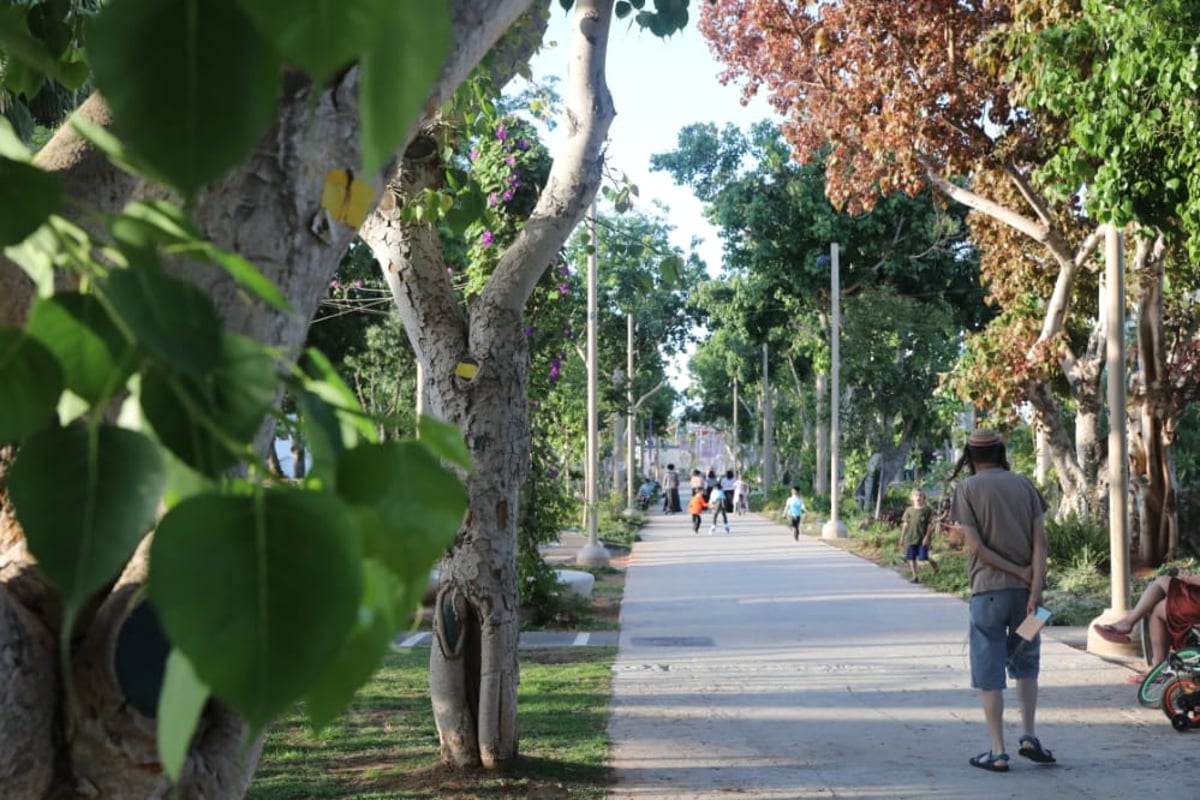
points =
(1159, 643)
(1154, 594)
(993, 715)
(1027, 693)
(912, 567)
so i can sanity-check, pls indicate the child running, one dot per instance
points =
(915, 534)
(696, 507)
(795, 512)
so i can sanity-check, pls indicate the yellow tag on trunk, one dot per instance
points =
(347, 199)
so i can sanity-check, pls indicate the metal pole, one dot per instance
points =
(737, 462)
(593, 553)
(768, 422)
(632, 414)
(834, 528)
(1118, 445)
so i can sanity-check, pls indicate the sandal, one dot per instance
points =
(1032, 749)
(992, 762)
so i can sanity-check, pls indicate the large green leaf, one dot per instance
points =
(364, 647)
(168, 317)
(444, 440)
(392, 480)
(258, 591)
(31, 381)
(189, 82)
(85, 495)
(322, 36)
(397, 74)
(28, 195)
(179, 708)
(208, 422)
(93, 352)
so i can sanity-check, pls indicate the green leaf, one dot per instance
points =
(190, 84)
(86, 496)
(179, 707)
(364, 647)
(10, 144)
(259, 592)
(170, 318)
(320, 36)
(392, 479)
(248, 276)
(31, 381)
(209, 423)
(623, 9)
(28, 196)
(444, 440)
(397, 74)
(95, 355)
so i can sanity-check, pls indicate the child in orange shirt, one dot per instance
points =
(696, 507)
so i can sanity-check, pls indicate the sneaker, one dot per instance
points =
(727, 529)
(712, 530)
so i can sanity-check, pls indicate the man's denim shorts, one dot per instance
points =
(994, 641)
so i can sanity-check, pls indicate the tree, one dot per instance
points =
(475, 361)
(1121, 79)
(900, 101)
(907, 273)
(278, 163)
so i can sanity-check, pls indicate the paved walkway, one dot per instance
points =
(754, 666)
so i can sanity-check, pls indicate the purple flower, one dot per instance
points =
(511, 161)
(358, 284)
(529, 329)
(492, 199)
(553, 473)
(508, 195)
(334, 284)
(501, 133)
(514, 180)
(474, 154)
(522, 144)
(555, 368)
(563, 288)
(488, 238)
(564, 270)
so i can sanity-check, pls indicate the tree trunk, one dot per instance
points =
(1152, 416)
(473, 663)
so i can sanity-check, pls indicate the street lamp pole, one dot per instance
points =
(834, 528)
(593, 553)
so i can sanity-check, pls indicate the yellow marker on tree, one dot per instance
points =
(347, 199)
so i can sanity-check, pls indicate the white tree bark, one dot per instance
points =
(267, 210)
(473, 665)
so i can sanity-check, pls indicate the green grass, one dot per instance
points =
(385, 746)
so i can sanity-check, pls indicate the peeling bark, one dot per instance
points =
(473, 665)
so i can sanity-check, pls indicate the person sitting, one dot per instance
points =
(645, 492)
(1172, 605)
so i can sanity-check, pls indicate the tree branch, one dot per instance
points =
(577, 170)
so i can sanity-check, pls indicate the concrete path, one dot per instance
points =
(754, 666)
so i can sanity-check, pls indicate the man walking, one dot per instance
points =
(670, 484)
(1001, 516)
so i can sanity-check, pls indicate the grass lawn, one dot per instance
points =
(385, 745)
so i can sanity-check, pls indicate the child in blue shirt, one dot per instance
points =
(795, 512)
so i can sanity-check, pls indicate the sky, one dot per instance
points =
(659, 86)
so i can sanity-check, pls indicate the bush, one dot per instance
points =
(1075, 539)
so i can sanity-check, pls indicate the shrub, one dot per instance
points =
(1074, 538)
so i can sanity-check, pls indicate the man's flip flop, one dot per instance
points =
(992, 762)
(1110, 634)
(1032, 749)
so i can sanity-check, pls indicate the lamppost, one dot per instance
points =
(834, 528)
(593, 553)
